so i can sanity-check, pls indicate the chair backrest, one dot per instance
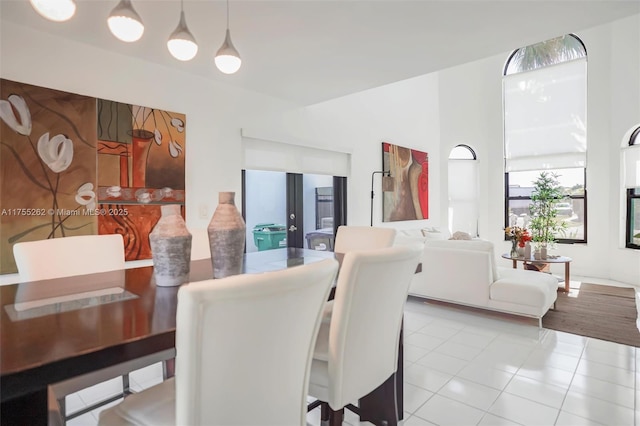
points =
(363, 238)
(68, 256)
(367, 316)
(244, 346)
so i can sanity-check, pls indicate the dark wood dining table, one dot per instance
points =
(53, 330)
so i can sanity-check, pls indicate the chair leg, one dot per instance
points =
(335, 417)
(126, 388)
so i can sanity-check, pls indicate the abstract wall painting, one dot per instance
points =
(141, 165)
(76, 165)
(48, 166)
(409, 169)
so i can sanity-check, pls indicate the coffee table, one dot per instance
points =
(550, 259)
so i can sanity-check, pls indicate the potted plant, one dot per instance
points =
(544, 224)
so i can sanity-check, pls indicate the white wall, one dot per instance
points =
(403, 113)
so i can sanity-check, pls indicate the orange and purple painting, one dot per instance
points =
(77, 165)
(409, 169)
(141, 165)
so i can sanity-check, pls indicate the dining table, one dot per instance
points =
(57, 329)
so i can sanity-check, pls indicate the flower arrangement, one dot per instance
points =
(518, 234)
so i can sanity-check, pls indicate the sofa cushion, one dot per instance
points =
(524, 287)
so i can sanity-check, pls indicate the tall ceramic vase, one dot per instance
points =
(227, 232)
(170, 248)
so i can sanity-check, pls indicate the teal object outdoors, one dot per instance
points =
(268, 236)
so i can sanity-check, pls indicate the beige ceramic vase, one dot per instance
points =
(227, 232)
(170, 248)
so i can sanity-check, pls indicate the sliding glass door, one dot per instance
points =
(292, 209)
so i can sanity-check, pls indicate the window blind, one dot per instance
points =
(545, 117)
(260, 154)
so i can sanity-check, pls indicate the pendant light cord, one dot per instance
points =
(181, 5)
(227, 14)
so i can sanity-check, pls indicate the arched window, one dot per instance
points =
(463, 190)
(545, 130)
(631, 173)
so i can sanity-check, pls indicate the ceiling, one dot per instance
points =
(309, 51)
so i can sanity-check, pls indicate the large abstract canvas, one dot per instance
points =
(74, 165)
(409, 169)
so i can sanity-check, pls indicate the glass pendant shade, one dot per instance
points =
(125, 24)
(228, 59)
(181, 44)
(55, 10)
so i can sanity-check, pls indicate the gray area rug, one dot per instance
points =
(598, 311)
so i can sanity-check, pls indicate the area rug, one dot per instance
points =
(598, 311)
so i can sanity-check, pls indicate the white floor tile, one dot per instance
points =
(426, 378)
(436, 329)
(491, 420)
(442, 362)
(86, 419)
(470, 393)
(547, 358)
(573, 339)
(445, 411)
(413, 353)
(523, 411)
(416, 421)
(151, 372)
(605, 345)
(534, 390)
(550, 375)
(458, 350)
(423, 341)
(74, 403)
(626, 361)
(414, 397)
(472, 339)
(606, 372)
(493, 378)
(568, 419)
(597, 410)
(101, 391)
(607, 391)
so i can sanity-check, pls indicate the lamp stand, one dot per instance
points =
(372, 193)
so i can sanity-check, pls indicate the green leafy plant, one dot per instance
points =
(546, 193)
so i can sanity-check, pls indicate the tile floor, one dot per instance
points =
(466, 367)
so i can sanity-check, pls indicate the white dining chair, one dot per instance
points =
(357, 350)
(363, 238)
(68, 256)
(71, 256)
(244, 345)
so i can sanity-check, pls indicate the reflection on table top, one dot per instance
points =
(63, 343)
(549, 259)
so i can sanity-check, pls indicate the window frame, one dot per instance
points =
(631, 195)
(570, 197)
(506, 72)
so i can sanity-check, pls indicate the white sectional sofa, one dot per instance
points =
(465, 272)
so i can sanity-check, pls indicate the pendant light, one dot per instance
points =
(55, 10)
(228, 59)
(125, 23)
(181, 44)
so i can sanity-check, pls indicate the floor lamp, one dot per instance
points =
(387, 185)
